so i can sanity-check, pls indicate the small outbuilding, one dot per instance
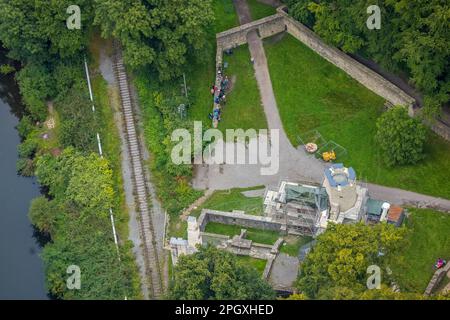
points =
(396, 215)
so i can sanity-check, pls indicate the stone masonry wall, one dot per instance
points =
(281, 22)
(237, 36)
(237, 218)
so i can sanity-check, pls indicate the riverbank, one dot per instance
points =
(21, 269)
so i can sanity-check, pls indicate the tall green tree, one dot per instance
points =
(156, 33)
(36, 31)
(401, 138)
(211, 273)
(337, 265)
(85, 181)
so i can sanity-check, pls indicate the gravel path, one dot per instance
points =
(106, 69)
(407, 198)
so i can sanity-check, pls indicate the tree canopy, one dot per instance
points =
(156, 32)
(400, 137)
(337, 265)
(76, 218)
(211, 273)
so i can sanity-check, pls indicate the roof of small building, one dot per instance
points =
(374, 207)
(394, 213)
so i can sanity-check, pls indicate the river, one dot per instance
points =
(21, 268)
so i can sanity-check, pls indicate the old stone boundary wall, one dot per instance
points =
(435, 281)
(281, 22)
(237, 218)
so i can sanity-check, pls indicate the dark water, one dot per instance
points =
(21, 269)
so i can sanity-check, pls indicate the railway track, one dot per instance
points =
(141, 191)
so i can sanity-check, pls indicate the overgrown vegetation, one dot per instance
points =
(336, 267)
(62, 151)
(400, 137)
(213, 274)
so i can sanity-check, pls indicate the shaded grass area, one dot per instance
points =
(257, 264)
(200, 72)
(243, 108)
(105, 106)
(314, 94)
(428, 240)
(256, 235)
(260, 10)
(292, 245)
(232, 199)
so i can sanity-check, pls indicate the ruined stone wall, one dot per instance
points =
(237, 218)
(435, 281)
(370, 79)
(441, 129)
(237, 36)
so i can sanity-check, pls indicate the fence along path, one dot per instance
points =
(142, 196)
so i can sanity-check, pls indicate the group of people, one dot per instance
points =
(219, 97)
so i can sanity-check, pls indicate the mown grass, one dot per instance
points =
(256, 235)
(260, 10)
(311, 94)
(257, 264)
(243, 108)
(232, 199)
(200, 72)
(428, 240)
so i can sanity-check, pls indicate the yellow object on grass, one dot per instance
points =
(329, 155)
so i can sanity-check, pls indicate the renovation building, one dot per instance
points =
(306, 209)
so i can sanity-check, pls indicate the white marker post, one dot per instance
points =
(100, 151)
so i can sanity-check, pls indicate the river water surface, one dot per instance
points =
(21, 269)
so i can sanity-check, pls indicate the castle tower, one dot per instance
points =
(340, 183)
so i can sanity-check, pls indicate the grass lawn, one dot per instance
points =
(292, 245)
(260, 10)
(232, 200)
(243, 109)
(256, 235)
(314, 94)
(258, 264)
(428, 240)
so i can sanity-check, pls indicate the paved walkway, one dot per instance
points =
(295, 165)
